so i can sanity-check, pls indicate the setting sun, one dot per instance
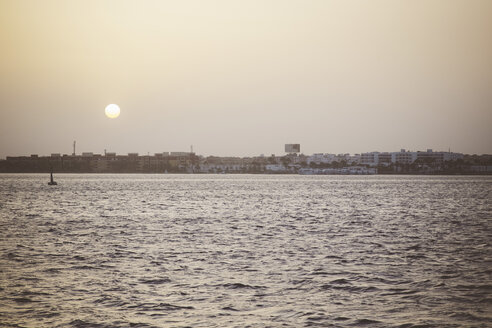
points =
(112, 111)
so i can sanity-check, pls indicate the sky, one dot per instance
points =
(242, 78)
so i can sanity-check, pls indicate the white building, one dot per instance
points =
(438, 156)
(371, 159)
(404, 157)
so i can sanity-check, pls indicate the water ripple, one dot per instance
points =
(245, 251)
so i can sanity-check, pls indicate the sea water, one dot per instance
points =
(245, 251)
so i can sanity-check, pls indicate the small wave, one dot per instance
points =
(22, 246)
(84, 267)
(301, 281)
(238, 285)
(413, 247)
(47, 315)
(85, 324)
(159, 307)
(229, 308)
(23, 300)
(350, 288)
(317, 318)
(447, 276)
(29, 278)
(158, 281)
(47, 223)
(474, 287)
(33, 293)
(52, 270)
(320, 273)
(109, 301)
(365, 322)
(398, 291)
(14, 257)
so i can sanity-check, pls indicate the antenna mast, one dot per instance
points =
(73, 154)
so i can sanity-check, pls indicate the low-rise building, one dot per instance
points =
(385, 159)
(430, 156)
(404, 157)
(370, 159)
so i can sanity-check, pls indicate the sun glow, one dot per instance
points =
(112, 111)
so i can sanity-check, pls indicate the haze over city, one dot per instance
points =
(242, 78)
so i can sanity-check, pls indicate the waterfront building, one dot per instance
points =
(385, 159)
(430, 156)
(449, 156)
(404, 157)
(321, 158)
(354, 159)
(370, 159)
(214, 164)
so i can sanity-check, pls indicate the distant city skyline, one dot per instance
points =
(402, 162)
(243, 78)
(191, 150)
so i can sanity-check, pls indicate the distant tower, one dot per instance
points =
(191, 149)
(292, 148)
(73, 154)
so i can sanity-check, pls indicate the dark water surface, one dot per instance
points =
(245, 251)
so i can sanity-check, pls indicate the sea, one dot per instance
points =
(142, 250)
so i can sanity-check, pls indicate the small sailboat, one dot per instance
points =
(52, 182)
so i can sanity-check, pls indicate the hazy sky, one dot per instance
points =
(245, 77)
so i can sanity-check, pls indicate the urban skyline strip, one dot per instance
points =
(404, 161)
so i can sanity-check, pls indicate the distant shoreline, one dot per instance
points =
(238, 173)
(398, 163)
